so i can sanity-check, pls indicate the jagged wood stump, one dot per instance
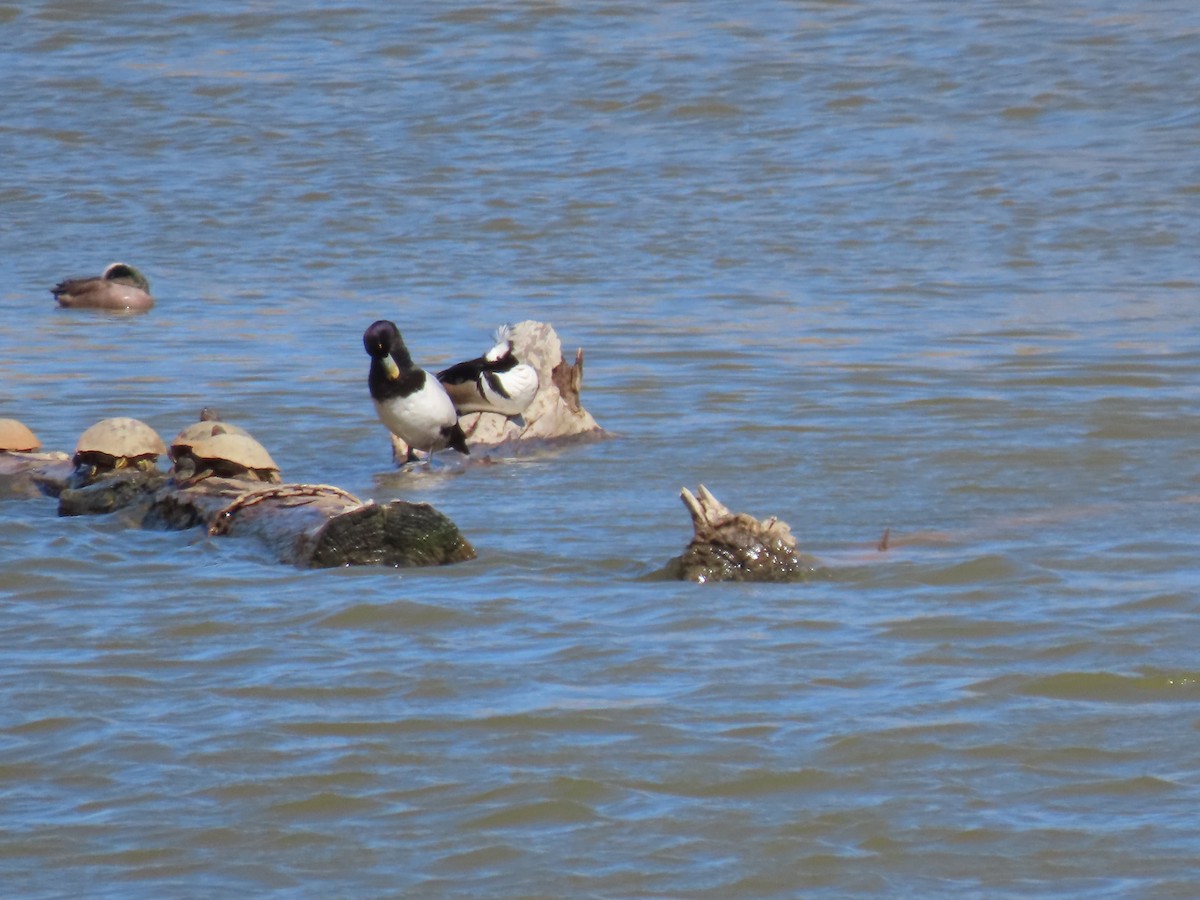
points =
(735, 546)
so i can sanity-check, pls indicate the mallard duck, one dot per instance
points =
(120, 287)
(409, 401)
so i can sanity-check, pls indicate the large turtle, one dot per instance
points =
(118, 443)
(15, 437)
(212, 447)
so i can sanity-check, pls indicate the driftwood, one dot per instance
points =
(317, 525)
(735, 546)
(124, 489)
(556, 412)
(20, 473)
(312, 526)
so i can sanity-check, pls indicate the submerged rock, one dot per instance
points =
(735, 546)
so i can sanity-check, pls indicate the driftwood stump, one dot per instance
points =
(735, 546)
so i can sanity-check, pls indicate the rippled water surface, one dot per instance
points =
(915, 266)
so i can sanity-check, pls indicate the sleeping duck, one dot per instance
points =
(118, 287)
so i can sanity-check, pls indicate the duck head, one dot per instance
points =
(384, 345)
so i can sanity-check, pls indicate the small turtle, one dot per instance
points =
(15, 437)
(120, 286)
(118, 443)
(212, 447)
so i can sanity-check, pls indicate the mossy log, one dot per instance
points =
(308, 525)
(735, 546)
(556, 412)
(313, 525)
(123, 489)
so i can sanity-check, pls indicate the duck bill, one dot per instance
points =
(390, 368)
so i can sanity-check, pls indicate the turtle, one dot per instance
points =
(117, 443)
(15, 437)
(213, 447)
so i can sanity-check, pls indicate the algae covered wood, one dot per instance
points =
(728, 546)
(316, 526)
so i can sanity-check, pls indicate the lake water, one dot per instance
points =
(920, 266)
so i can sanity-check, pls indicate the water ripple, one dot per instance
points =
(918, 270)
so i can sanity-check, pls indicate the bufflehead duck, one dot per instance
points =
(495, 382)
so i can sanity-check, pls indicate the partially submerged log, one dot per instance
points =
(20, 473)
(123, 489)
(729, 546)
(312, 526)
(556, 411)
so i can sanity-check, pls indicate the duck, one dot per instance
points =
(496, 382)
(408, 400)
(119, 287)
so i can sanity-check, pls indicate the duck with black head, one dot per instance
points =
(408, 400)
(119, 287)
(496, 382)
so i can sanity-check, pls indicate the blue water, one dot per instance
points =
(901, 266)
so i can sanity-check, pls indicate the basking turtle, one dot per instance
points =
(113, 444)
(120, 286)
(211, 447)
(15, 437)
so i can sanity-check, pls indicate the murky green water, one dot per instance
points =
(903, 266)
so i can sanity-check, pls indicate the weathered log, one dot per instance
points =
(312, 526)
(729, 546)
(21, 473)
(123, 489)
(556, 411)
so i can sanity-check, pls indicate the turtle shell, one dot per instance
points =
(226, 450)
(117, 442)
(15, 436)
(199, 431)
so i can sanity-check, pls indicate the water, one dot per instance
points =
(911, 266)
